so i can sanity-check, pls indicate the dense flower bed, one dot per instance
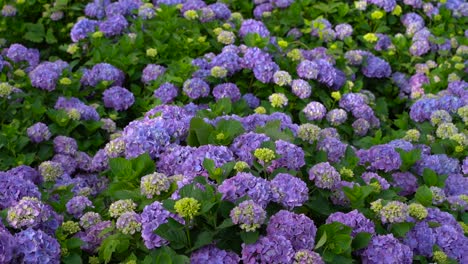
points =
(233, 131)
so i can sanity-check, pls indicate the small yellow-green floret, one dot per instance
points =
(187, 207)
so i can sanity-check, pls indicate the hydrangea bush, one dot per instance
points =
(264, 131)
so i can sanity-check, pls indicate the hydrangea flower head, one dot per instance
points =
(187, 207)
(248, 215)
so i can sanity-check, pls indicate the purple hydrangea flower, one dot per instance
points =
(113, 25)
(103, 72)
(308, 69)
(191, 5)
(25, 173)
(456, 184)
(420, 239)
(193, 165)
(452, 242)
(314, 111)
(259, 10)
(28, 212)
(288, 190)
(343, 30)
(89, 219)
(264, 72)
(39, 132)
(297, 228)
(82, 29)
(305, 256)
(246, 184)
(334, 148)
(118, 98)
(96, 9)
(439, 163)
(383, 43)
(227, 60)
(77, 205)
(386, 249)
(413, 23)
(166, 92)
(65, 145)
(324, 175)
(252, 100)
(35, 246)
(337, 117)
(196, 88)
(381, 157)
(100, 161)
(248, 215)
(369, 176)
(227, 90)
(170, 161)
(213, 255)
(86, 112)
(8, 245)
(45, 75)
(14, 188)
(253, 26)
(152, 72)
(291, 156)
(68, 162)
(406, 181)
(354, 219)
(349, 101)
(152, 217)
(93, 236)
(301, 88)
(129, 223)
(376, 67)
(220, 10)
(142, 136)
(269, 249)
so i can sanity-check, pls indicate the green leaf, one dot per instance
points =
(173, 232)
(424, 195)
(409, 158)
(273, 130)
(209, 165)
(357, 195)
(430, 177)
(107, 248)
(249, 237)
(36, 32)
(361, 240)
(74, 242)
(322, 241)
(120, 167)
(73, 258)
(226, 223)
(204, 238)
(50, 38)
(143, 165)
(199, 132)
(400, 229)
